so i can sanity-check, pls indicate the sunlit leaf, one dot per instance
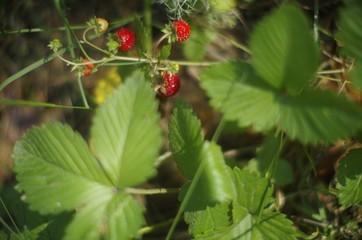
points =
(240, 95)
(283, 50)
(56, 170)
(349, 178)
(126, 135)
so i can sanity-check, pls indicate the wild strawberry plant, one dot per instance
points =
(277, 92)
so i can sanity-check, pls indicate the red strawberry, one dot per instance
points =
(182, 30)
(170, 86)
(87, 69)
(126, 38)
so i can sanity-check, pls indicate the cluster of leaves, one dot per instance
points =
(274, 92)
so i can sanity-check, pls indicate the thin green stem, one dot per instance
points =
(331, 71)
(269, 175)
(16, 102)
(310, 161)
(37, 30)
(91, 44)
(30, 68)
(147, 13)
(9, 215)
(186, 198)
(69, 33)
(219, 130)
(152, 191)
(81, 89)
(316, 15)
(237, 44)
(148, 229)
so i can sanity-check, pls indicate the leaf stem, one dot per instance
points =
(148, 229)
(186, 199)
(152, 191)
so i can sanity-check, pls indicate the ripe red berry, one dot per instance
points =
(182, 30)
(126, 38)
(170, 86)
(87, 69)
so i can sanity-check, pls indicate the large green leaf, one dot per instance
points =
(126, 136)
(349, 178)
(283, 50)
(240, 95)
(190, 150)
(56, 170)
(316, 116)
(118, 217)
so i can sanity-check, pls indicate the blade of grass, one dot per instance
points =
(11, 219)
(30, 68)
(16, 102)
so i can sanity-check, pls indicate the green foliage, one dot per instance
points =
(118, 137)
(278, 97)
(283, 172)
(195, 47)
(240, 95)
(349, 178)
(57, 172)
(283, 50)
(190, 152)
(246, 219)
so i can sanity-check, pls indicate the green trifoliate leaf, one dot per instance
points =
(56, 170)
(240, 95)
(349, 178)
(126, 135)
(113, 218)
(283, 50)
(316, 116)
(190, 151)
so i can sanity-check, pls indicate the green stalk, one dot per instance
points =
(147, 13)
(30, 68)
(315, 25)
(69, 33)
(37, 30)
(269, 175)
(186, 198)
